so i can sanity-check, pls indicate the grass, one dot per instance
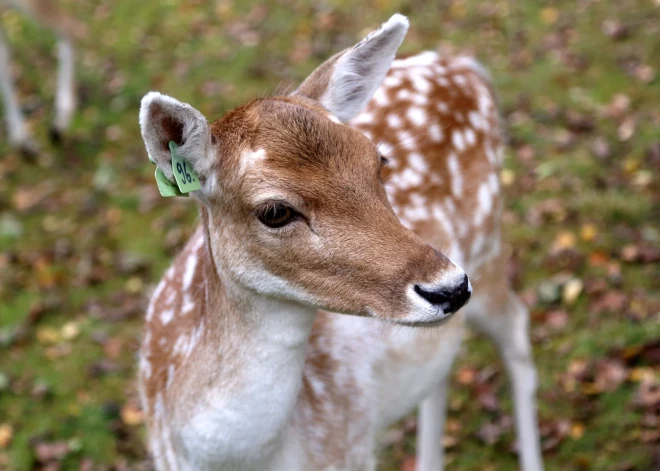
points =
(86, 207)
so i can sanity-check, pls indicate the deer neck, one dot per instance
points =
(258, 343)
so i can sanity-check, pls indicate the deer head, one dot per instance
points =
(293, 199)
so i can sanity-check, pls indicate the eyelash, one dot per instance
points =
(267, 215)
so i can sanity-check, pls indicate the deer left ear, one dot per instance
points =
(347, 81)
(164, 119)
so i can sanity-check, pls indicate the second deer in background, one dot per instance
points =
(48, 14)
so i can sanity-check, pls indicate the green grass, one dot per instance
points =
(94, 202)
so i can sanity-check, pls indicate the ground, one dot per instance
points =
(84, 234)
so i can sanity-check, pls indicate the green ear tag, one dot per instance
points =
(186, 178)
(166, 187)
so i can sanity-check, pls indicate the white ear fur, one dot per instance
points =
(164, 119)
(357, 73)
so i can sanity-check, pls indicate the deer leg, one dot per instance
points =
(430, 429)
(16, 128)
(508, 328)
(65, 97)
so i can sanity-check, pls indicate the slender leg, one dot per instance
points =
(65, 97)
(508, 328)
(16, 128)
(430, 429)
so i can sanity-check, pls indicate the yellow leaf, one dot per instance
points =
(564, 240)
(631, 165)
(131, 415)
(6, 434)
(507, 176)
(70, 331)
(572, 291)
(640, 374)
(577, 430)
(549, 15)
(134, 285)
(48, 335)
(588, 232)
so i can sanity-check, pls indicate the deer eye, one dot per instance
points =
(276, 215)
(384, 161)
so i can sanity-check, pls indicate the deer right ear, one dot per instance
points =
(347, 81)
(164, 119)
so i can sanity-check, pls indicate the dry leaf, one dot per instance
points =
(131, 415)
(6, 434)
(572, 290)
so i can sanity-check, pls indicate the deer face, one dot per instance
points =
(295, 204)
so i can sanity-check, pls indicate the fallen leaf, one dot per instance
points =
(70, 330)
(131, 415)
(549, 15)
(6, 434)
(577, 430)
(563, 240)
(466, 375)
(588, 232)
(48, 335)
(572, 290)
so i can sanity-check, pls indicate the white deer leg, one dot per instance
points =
(430, 429)
(508, 328)
(16, 128)
(65, 97)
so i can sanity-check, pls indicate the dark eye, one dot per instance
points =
(276, 215)
(384, 161)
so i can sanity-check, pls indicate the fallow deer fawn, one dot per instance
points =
(48, 14)
(328, 199)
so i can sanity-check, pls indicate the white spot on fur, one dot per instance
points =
(460, 80)
(392, 81)
(408, 178)
(458, 141)
(406, 140)
(393, 121)
(424, 59)
(191, 263)
(170, 376)
(493, 183)
(188, 304)
(420, 83)
(456, 176)
(417, 163)
(476, 120)
(492, 158)
(386, 150)
(435, 133)
(166, 316)
(404, 94)
(250, 158)
(145, 366)
(417, 116)
(420, 100)
(470, 136)
(363, 118)
(485, 200)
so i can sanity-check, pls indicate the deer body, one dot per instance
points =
(239, 369)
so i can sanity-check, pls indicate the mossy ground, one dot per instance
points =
(84, 234)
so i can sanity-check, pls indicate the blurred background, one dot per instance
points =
(84, 234)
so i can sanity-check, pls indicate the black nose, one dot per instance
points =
(449, 299)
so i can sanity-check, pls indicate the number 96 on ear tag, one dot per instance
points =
(186, 178)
